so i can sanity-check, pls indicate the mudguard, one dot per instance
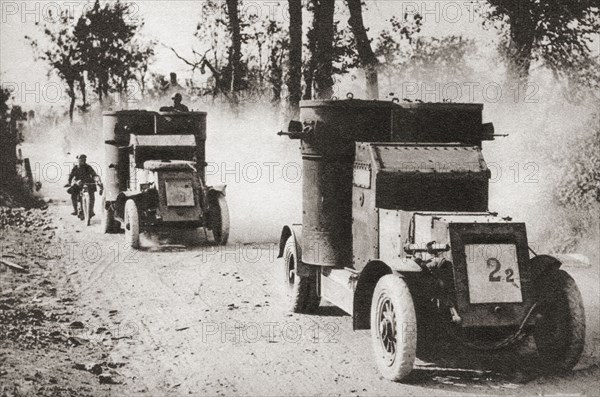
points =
(295, 231)
(220, 189)
(542, 264)
(122, 197)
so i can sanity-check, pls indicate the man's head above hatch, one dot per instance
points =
(177, 105)
(81, 159)
(177, 98)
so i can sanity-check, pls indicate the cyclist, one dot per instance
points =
(82, 174)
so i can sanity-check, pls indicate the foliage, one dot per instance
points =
(109, 50)
(394, 46)
(101, 48)
(556, 32)
(4, 97)
(406, 56)
(265, 44)
(62, 53)
(579, 178)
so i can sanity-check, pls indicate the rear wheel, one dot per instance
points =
(393, 328)
(301, 290)
(132, 224)
(560, 332)
(219, 219)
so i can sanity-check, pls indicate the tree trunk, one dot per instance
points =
(294, 82)
(324, 49)
(311, 35)
(365, 53)
(8, 143)
(235, 52)
(71, 85)
(82, 88)
(520, 47)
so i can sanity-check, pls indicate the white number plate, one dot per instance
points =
(493, 272)
(179, 193)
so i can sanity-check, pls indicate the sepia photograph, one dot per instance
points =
(299, 198)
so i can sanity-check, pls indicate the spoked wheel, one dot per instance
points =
(219, 219)
(80, 212)
(393, 328)
(132, 224)
(560, 332)
(85, 204)
(301, 290)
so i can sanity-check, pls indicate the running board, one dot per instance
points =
(338, 286)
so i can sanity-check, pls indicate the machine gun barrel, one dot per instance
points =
(297, 130)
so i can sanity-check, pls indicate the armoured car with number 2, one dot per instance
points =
(397, 232)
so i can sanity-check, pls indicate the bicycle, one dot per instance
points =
(84, 202)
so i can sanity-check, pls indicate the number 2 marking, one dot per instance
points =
(509, 275)
(496, 264)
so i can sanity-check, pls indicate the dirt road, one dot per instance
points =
(204, 320)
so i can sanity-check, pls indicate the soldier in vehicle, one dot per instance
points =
(177, 105)
(81, 174)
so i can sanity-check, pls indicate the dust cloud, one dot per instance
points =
(262, 171)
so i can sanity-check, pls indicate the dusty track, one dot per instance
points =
(204, 320)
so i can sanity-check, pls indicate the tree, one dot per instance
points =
(557, 32)
(101, 45)
(363, 45)
(215, 40)
(109, 48)
(330, 50)
(294, 81)
(323, 55)
(62, 53)
(406, 56)
(278, 45)
(234, 67)
(8, 160)
(436, 59)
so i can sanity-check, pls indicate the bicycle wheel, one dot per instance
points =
(85, 203)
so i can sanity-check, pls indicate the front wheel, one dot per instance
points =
(219, 219)
(301, 290)
(132, 224)
(85, 204)
(560, 332)
(393, 328)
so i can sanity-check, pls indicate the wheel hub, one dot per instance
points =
(387, 328)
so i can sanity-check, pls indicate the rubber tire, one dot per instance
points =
(85, 204)
(131, 224)
(301, 291)
(391, 288)
(109, 223)
(561, 311)
(80, 212)
(219, 219)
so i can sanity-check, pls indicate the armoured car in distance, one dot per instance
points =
(155, 175)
